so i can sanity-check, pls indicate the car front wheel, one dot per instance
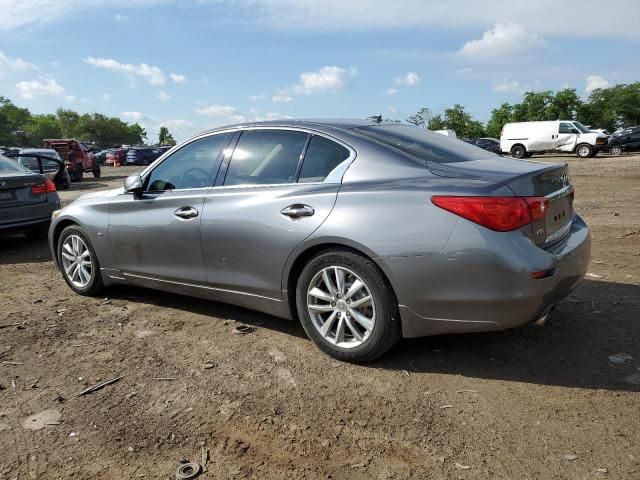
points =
(584, 150)
(616, 150)
(347, 307)
(78, 262)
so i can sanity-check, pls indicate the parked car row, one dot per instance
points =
(627, 140)
(131, 155)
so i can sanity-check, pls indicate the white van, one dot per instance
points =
(523, 139)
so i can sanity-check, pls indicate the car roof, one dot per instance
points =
(321, 124)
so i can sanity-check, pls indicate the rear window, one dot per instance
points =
(9, 166)
(423, 145)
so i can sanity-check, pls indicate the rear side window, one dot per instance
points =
(422, 145)
(9, 166)
(265, 157)
(189, 167)
(322, 156)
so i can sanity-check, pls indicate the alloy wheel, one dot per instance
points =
(76, 261)
(341, 307)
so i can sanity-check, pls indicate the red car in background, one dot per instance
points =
(118, 155)
(76, 156)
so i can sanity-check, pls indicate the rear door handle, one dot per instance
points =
(186, 213)
(297, 210)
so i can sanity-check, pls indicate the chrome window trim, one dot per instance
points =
(334, 176)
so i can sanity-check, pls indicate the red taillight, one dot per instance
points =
(43, 188)
(502, 214)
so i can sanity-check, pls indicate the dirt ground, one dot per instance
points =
(532, 403)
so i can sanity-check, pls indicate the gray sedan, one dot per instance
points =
(27, 200)
(365, 232)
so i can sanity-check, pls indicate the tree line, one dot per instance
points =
(608, 108)
(20, 128)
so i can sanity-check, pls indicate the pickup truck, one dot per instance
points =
(76, 156)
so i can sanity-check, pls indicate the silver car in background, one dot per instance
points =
(364, 231)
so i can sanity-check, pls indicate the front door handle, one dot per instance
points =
(297, 211)
(186, 213)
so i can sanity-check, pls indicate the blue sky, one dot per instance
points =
(194, 64)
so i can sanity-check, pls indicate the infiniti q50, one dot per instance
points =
(364, 231)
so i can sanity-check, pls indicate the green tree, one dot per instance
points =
(165, 138)
(535, 106)
(566, 105)
(41, 127)
(461, 122)
(12, 119)
(499, 117)
(69, 122)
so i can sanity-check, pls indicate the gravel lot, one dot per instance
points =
(532, 403)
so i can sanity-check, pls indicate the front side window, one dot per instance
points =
(566, 128)
(189, 167)
(322, 156)
(265, 157)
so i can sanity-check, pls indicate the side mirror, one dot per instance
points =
(576, 131)
(133, 184)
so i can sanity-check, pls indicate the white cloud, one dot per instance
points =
(255, 98)
(280, 98)
(507, 86)
(411, 79)
(70, 98)
(150, 73)
(13, 65)
(178, 123)
(43, 87)
(258, 117)
(134, 116)
(503, 41)
(121, 18)
(106, 97)
(325, 79)
(178, 78)
(164, 96)
(216, 110)
(594, 82)
(392, 91)
(464, 71)
(574, 18)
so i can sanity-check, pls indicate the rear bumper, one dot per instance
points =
(24, 226)
(482, 280)
(27, 217)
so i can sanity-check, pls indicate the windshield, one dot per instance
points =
(9, 166)
(581, 127)
(424, 145)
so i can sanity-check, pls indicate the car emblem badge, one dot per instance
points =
(565, 180)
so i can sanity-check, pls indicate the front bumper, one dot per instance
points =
(482, 280)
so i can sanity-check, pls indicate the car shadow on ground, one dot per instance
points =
(209, 308)
(571, 350)
(16, 249)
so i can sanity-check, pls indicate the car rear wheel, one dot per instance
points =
(584, 150)
(78, 262)
(518, 151)
(78, 174)
(347, 307)
(615, 150)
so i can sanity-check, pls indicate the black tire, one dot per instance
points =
(528, 155)
(78, 174)
(96, 171)
(95, 284)
(518, 151)
(386, 330)
(615, 150)
(38, 233)
(584, 150)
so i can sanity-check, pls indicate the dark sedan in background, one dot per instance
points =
(489, 144)
(27, 200)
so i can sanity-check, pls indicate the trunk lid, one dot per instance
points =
(525, 179)
(15, 189)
